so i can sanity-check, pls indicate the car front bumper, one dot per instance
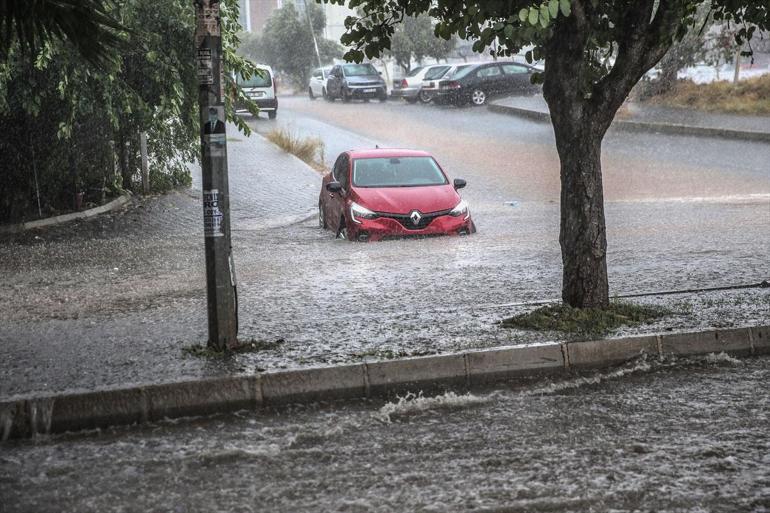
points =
(383, 228)
(367, 92)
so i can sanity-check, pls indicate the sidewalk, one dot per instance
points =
(636, 116)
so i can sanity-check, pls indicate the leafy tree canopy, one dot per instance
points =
(415, 39)
(287, 42)
(88, 25)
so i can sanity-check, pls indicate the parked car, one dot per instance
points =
(260, 87)
(410, 87)
(432, 78)
(390, 193)
(355, 81)
(317, 85)
(476, 84)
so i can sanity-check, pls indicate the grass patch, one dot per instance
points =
(310, 150)
(585, 322)
(250, 346)
(750, 96)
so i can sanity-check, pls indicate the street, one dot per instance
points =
(687, 435)
(115, 300)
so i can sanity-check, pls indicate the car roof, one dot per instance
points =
(372, 153)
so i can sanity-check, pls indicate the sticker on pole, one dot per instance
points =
(212, 214)
(205, 67)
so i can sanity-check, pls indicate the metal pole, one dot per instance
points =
(145, 165)
(220, 275)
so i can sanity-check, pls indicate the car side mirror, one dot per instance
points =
(334, 187)
(459, 183)
(379, 73)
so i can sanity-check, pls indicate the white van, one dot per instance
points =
(261, 89)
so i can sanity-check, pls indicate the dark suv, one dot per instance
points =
(348, 81)
(476, 84)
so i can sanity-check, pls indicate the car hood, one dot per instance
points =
(363, 79)
(403, 200)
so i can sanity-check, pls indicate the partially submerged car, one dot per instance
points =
(377, 194)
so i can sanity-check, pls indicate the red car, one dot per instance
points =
(389, 193)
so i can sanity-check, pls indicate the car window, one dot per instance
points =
(355, 70)
(436, 72)
(397, 172)
(490, 71)
(343, 173)
(317, 73)
(415, 71)
(461, 71)
(514, 69)
(336, 169)
(262, 79)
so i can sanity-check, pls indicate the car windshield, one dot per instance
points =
(355, 70)
(261, 79)
(415, 71)
(436, 72)
(461, 71)
(397, 172)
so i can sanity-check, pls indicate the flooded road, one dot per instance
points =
(117, 299)
(682, 435)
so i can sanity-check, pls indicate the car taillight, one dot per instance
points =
(453, 85)
(404, 83)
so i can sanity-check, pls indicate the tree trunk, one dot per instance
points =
(579, 126)
(582, 236)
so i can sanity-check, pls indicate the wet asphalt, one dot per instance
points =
(686, 435)
(117, 299)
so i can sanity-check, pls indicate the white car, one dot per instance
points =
(261, 89)
(317, 86)
(410, 87)
(430, 82)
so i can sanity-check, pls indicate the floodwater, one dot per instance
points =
(687, 435)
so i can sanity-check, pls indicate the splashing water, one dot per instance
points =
(414, 403)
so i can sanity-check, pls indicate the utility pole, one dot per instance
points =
(220, 274)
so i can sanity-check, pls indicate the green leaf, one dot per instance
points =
(553, 8)
(534, 14)
(523, 15)
(565, 6)
(508, 31)
(545, 16)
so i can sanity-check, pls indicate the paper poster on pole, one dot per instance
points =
(212, 214)
(205, 67)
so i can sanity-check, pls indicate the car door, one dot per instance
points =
(335, 202)
(517, 78)
(491, 79)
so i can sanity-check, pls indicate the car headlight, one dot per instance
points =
(358, 212)
(460, 209)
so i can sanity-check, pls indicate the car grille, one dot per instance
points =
(406, 220)
(365, 84)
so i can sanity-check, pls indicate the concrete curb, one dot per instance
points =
(26, 416)
(641, 126)
(107, 207)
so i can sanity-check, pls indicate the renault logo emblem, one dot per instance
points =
(415, 217)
